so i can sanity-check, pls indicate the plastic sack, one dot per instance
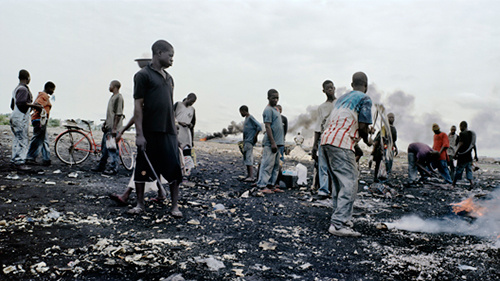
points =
(382, 172)
(301, 174)
(43, 117)
(188, 165)
(111, 143)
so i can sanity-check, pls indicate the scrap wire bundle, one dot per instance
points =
(384, 127)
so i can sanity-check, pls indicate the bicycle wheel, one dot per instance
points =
(126, 155)
(72, 147)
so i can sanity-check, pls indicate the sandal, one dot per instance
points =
(118, 200)
(176, 214)
(135, 211)
(248, 180)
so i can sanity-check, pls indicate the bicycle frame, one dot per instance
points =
(82, 141)
(95, 148)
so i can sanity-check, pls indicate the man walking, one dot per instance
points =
(156, 133)
(20, 104)
(272, 142)
(321, 177)
(466, 143)
(348, 122)
(441, 144)
(114, 116)
(39, 120)
(251, 129)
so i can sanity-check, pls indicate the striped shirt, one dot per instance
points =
(343, 124)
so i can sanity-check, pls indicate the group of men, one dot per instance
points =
(342, 123)
(155, 116)
(22, 104)
(446, 148)
(275, 129)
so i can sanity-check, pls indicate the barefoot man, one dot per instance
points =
(156, 134)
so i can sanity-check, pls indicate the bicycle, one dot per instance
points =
(74, 145)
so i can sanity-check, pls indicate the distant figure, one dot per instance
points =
(39, 120)
(21, 105)
(379, 147)
(348, 122)
(441, 144)
(114, 117)
(156, 134)
(466, 143)
(322, 179)
(272, 142)
(420, 158)
(452, 150)
(285, 130)
(186, 118)
(299, 140)
(251, 129)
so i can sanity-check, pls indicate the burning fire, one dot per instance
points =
(468, 206)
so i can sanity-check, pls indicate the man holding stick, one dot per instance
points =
(156, 134)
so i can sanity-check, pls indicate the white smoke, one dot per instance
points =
(487, 226)
(415, 125)
(304, 123)
(411, 126)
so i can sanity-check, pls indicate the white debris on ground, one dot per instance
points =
(218, 214)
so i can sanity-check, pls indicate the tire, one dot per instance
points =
(72, 147)
(127, 155)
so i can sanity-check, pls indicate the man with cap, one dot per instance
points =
(441, 144)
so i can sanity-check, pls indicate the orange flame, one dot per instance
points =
(468, 206)
(203, 139)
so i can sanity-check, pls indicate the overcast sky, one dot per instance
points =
(428, 61)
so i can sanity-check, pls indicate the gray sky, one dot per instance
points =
(438, 60)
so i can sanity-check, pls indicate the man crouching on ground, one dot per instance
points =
(349, 121)
(156, 134)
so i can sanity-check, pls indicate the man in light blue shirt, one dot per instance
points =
(251, 129)
(273, 139)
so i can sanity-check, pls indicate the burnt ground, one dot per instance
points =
(54, 227)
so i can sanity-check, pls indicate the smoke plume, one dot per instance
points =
(487, 225)
(232, 129)
(414, 125)
(304, 123)
(411, 126)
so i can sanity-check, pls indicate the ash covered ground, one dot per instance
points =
(55, 227)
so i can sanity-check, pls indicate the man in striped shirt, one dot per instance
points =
(348, 123)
